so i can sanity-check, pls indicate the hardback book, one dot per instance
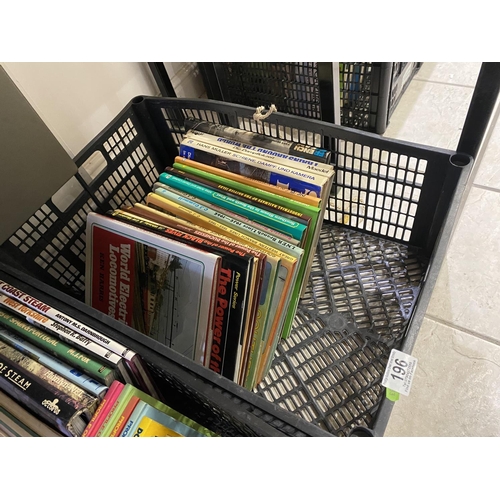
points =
(295, 229)
(137, 369)
(228, 284)
(313, 201)
(268, 154)
(70, 393)
(43, 399)
(240, 273)
(29, 419)
(79, 341)
(53, 345)
(73, 375)
(189, 426)
(290, 256)
(158, 286)
(315, 223)
(256, 168)
(313, 153)
(104, 409)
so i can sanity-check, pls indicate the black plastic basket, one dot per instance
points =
(381, 247)
(368, 92)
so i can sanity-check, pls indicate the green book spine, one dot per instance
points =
(59, 349)
(312, 236)
(294, 229)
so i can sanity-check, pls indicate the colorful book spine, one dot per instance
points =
(137, 371)
(163, 419)
(238, 265)
(267, 154)
(195, 429)
(41, 398)
(103, 409)
(56, 347)
(306, 151)
(78, 378)
(65, 334)
(133, 419)
(246, 165)
(294, 229)
(194, 212)
(124, 417)
(72, 394)
(312, 201)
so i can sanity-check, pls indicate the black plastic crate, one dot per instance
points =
(368, 91)
(381, 247)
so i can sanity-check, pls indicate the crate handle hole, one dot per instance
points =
(92, 167)
(67, 194)
(460, 160)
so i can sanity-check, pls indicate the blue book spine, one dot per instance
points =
(73, 375)
(286, 226)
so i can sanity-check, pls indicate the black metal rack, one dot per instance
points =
(367, 95)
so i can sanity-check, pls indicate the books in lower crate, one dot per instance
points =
(50, 388)
(214, 261)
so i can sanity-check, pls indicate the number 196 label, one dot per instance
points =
(399, 372)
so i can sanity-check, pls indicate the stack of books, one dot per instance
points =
(59, 377)
(214, 261)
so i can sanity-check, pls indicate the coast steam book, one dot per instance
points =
(158, 286)
(136, 369)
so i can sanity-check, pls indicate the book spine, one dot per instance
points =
(63, 332)
(312, 201)
(252, 193)
(38, 396)
(289, 147)
(267, 154)
(73, 395)
(239, 217)
(231, 264)
(280, 223)
(228, 220)
(68, 321)
(248, 166)
(102, 410)
(81, 380)
(235, 191)
(122, 420)
(56, 347)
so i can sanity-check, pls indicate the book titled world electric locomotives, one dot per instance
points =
(158, 286)
(240, 268)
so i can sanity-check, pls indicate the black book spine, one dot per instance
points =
(36, 395)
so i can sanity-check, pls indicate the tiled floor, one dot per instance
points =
(456, 389)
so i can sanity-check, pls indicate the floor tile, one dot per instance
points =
(430, 113)
(457, 73)
(488, 169)
(456, 389)
(467, 292)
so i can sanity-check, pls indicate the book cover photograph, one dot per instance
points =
(160, 287)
